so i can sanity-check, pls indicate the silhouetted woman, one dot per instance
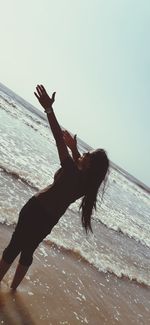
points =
(80, 176)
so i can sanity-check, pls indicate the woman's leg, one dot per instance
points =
(33, 232)
(14, 247)
(9, 254)
(4, 267)
(25, 261)
(21, 271)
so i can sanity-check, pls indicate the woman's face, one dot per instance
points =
(84, 161)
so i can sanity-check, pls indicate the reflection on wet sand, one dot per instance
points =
(13, 309)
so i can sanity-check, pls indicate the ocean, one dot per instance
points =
(120, 243)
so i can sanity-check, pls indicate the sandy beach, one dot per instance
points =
(61, 288)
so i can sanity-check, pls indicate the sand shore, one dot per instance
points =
(61, 288)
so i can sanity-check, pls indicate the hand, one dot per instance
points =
(43, 97)
(70, 141)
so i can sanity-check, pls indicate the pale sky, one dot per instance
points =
(96, 55)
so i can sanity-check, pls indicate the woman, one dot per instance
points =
(77, 177)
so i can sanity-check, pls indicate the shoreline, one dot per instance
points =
(41, 114)
(68, 290)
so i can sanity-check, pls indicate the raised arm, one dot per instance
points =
(47, 103)
(71, 142)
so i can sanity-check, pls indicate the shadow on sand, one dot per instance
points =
(13, 309)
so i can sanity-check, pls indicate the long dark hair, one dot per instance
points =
(94, 177)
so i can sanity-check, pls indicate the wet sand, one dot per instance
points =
(61, 288)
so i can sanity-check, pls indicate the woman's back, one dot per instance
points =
(66, 188)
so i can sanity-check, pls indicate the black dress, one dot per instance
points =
(42, 212)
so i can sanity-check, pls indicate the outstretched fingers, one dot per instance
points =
(36, 95)
(40, 91)
(53, 96)
(43, 97)
(43, 89)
